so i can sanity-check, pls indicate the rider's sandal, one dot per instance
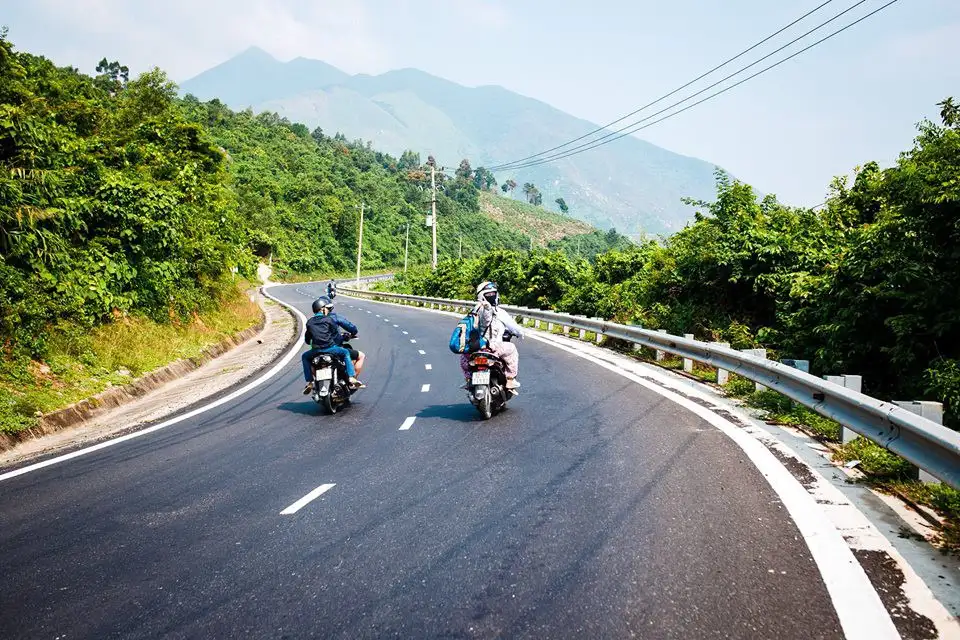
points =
(307, 389)
(356, 384)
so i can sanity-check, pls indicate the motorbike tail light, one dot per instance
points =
(480, 361)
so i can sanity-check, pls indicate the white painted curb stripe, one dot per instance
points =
(294, 351)
(305, 500)
(407, 423)
(859, 609)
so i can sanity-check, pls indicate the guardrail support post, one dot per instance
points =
(599, 336)
(854, 383)
(583, 333)
(550, 327)
(687, 362)
(566, 330)
(660, 355)
(536, 324)
(930, 411)
(759, 353)
(723, 376)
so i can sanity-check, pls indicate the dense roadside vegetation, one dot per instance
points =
(122, 205)
(867, 283)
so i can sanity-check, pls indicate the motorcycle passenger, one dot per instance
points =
(323, 335)
(493, 322)
(331, 289)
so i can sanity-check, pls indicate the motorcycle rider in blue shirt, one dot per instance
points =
(324, 336)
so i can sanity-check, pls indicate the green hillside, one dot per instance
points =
(542, 225)
(130, 220)
(117, 198)
(629, 184)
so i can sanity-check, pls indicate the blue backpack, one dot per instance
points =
(466, 336)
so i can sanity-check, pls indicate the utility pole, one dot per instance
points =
(406, 249)
(359, 247)
(433, 204)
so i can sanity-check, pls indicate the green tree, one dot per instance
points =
(484, 180)
(562, 204)
(532, 193)
(464, 171)
(112, 76)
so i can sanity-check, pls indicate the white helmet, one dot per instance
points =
(488, 291)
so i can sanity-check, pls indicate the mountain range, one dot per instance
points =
(629, 184)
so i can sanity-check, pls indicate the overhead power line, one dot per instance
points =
(677, 90)
(638, 125)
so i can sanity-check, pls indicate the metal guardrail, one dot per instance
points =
(926, 444)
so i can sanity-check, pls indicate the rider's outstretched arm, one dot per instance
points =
(349, 326)
(509, 323)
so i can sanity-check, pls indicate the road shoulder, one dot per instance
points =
(223, 372)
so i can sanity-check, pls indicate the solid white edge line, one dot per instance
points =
(858, 606)
(294, 351)
(407, 423)
(428, 367)
(305, 500)
(425, 388)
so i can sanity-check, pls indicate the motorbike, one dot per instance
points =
(488, 382)
(331, 384)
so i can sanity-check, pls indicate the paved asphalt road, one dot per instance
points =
(592, 508)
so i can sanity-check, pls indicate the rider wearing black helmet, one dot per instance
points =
(323, 335)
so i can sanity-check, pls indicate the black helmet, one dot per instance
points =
(321, 303)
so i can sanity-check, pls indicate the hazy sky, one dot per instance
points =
(853, 99)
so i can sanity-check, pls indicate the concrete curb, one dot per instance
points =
(113, 397)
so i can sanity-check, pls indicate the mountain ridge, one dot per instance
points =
(629, 184)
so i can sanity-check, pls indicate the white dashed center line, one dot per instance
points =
(428, 367)
(406, 333)
(422, 352)
(425, 388)
(378, 315)
(407, 423)
(305, 500)
(412, 341)
(396, 326)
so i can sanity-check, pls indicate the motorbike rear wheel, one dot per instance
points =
(485, 406)
(328, 402)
